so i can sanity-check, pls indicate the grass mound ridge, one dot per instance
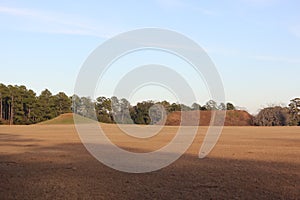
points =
(233, 118)
(67, 118)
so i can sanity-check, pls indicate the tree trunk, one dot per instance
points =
(8, 112)
(1, 114)
(11, 121)
(60, 108)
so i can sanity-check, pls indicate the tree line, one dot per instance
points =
(19, 105)
(115, 110)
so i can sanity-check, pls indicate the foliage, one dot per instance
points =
(19, 105)
(230, 106)
(103, 108)
(140, 112)
(211, 105)
(273, 116)
(294, 110)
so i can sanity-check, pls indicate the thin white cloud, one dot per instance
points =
(170, 3)
(180, 4)
(16, 12)
(260, 2)
(56, 23)
(277, 59)
(223, 51)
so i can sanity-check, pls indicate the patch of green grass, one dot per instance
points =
(68, 119)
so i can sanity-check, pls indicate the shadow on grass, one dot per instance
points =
(68, 171)
(11, 139)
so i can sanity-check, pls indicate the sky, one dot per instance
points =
(254, 44)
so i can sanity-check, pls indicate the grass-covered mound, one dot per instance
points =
(67, 118)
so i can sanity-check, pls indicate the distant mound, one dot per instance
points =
(233, 118)
(67, 118)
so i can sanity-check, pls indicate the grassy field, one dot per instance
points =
(49, 162)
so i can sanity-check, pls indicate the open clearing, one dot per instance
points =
(50, 162)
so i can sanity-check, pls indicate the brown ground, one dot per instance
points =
(49, 162)
(233, 118)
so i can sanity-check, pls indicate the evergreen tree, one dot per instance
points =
(62, 103)
(45, 107)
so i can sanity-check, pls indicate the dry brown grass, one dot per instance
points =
(49, 162)
(233, 118)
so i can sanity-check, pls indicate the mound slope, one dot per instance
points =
(66, 118)
(233, 118)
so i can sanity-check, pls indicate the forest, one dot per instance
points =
(19, 105)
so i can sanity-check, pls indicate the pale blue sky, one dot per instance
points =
(255, 44)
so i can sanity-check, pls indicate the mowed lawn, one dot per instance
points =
(50, 162)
